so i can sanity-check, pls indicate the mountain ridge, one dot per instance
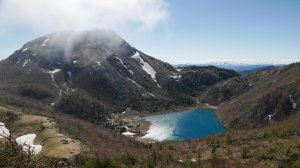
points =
(245, 101)
(237, 66)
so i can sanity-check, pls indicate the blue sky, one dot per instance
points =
(194, 31)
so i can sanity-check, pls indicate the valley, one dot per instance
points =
(93, 100)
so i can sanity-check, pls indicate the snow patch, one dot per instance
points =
(151, 94)
(26, 62)
(145, 66)
(69, 73)
(134, 82)
(269, 117)
(98, 62)
(294, 105)
(127, 68)
(45, 42)
(54, 71)
(4, 132)
(147, 94)
(74, 62)
(175, 76)
(68, 89)
(25, 49)
(27, 142)
(130, 71)
(121, 61)
(128, 133)
(19, 60)
(52, 74)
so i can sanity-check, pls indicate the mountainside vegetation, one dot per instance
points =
(275, 145)
(244, 102)
(194, 79)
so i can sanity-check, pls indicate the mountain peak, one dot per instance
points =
(70, 40)
(66, 47)
(92, 60)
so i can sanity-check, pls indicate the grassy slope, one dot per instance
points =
(54, 143)
(270, 95)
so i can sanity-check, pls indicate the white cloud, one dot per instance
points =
(55, 15)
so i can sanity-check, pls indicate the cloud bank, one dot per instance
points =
(55, 15)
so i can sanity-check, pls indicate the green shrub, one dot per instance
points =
(268, 153)
(35, 91)
(64, 141)
(13, 156)
(228, 139)
(261, 154)
(128, 159)
(245, 153)
(8, 117)
(290, 158)
(295, 164)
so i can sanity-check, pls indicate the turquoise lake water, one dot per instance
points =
(180, 126)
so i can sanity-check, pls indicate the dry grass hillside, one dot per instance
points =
(54, 143)
(271, 95)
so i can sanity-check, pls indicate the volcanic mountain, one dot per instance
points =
(94, 73)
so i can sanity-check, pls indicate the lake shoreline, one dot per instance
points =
(136, 122)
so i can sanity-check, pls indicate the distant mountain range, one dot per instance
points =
(242, 68)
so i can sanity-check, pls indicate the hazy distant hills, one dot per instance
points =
(242, 68)
(95, 73)
(258, 69)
